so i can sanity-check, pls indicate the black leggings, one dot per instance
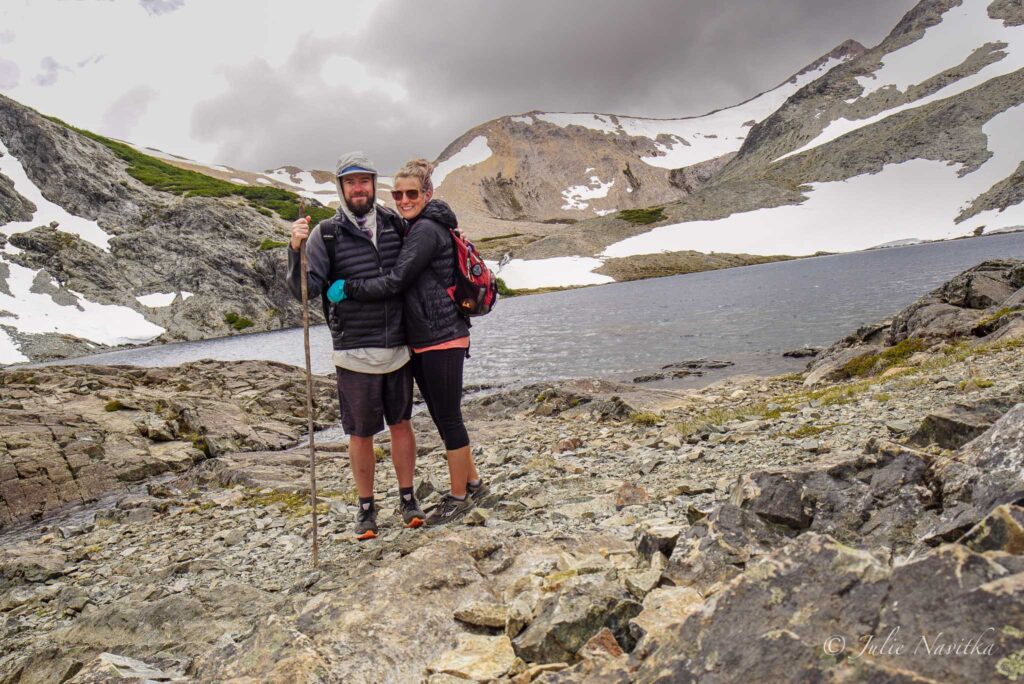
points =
(439, 376)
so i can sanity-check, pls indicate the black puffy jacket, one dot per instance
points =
(424, 271)
(355, 324)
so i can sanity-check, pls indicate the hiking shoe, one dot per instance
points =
(477, 493)
(366, 523)
(412, 514)
(447, 510)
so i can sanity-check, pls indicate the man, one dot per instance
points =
(370, 354)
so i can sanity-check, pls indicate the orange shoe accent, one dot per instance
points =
(415, 522)
(369, 534)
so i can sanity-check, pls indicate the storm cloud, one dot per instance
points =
(49, 71)
(126, 111)
(161, 6)
(454, 64)
(10, 75)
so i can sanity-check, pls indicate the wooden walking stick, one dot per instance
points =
(304, 270)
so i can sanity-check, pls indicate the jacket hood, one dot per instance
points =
(354, 159)
(439, 212)
(360, 161)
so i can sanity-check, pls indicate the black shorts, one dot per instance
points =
(368, 400)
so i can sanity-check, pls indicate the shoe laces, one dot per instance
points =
(448, 505)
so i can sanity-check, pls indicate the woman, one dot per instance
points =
(437, 333)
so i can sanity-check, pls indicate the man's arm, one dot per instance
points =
(418, 250)
(317, 263)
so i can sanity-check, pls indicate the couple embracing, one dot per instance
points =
(387, 276)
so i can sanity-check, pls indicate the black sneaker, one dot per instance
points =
(447, 510)
(412, 514)
(366, 523)
(477, 493)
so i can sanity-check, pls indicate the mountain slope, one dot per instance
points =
(916, 138)
(96, 257)
(556, 166)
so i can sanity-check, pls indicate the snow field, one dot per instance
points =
(907, 66)
(918, 199)
(46, 211)
(475, 152)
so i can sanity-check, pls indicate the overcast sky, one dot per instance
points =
(258, 84)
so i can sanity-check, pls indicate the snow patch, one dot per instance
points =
(595, 122)
(961, 31)
(9, 352)
(994, 31)
(692, 140)
(575, 195)
(240, 181)
(475, 152)
(604, 212)
(522, 119)
(157, 299)
(523, 274)
(917, 199)
(37, 313)
(46, 211)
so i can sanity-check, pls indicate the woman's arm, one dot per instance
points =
(417, 252)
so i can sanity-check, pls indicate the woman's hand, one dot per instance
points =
(336, 292)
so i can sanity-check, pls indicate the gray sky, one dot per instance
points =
(261, 84)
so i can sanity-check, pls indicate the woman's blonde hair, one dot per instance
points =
(420, 169)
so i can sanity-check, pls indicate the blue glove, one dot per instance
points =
(336, 292)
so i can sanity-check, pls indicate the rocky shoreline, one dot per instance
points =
(758, 527)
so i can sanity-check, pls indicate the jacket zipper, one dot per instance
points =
(380, 271)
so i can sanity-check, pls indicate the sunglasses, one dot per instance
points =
(411, 194)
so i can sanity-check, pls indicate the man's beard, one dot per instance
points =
(360, 211)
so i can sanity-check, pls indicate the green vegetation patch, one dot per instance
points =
(236, 321)
(996, 315)
(871, 364)
(645, 419)
(160, 175)
(720, 416)
(113, 405)
(291, 503)
(642, 216)
(269, 243)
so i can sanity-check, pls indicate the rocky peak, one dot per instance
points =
(111, 238)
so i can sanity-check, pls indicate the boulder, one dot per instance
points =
(985, 473)
(954, 426)
(869, 499)
(566, 620)
(477, 658)
(663, 609)
(483, 614)
(716, 549)
(26, 563)
(843, 597)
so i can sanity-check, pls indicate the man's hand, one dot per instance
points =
(300, 231)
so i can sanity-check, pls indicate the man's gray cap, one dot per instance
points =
(354, 162)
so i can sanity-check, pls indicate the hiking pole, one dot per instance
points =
(304, 271)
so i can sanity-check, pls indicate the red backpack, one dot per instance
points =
(476, 288)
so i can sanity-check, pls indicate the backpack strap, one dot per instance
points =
(327, 232)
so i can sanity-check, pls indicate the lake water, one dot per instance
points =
(747, 315)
